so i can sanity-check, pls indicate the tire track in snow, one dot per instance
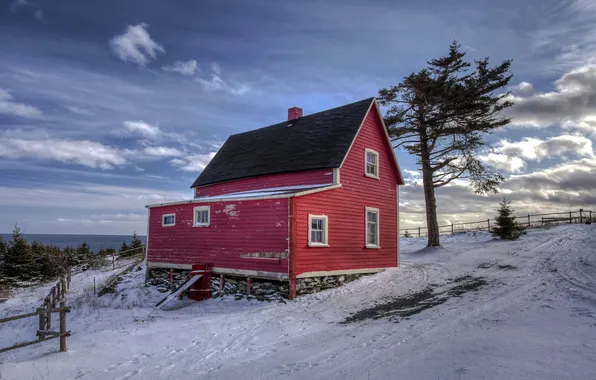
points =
(572, 260)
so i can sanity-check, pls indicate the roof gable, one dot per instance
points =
(316, 141)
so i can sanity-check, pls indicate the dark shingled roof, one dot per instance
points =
(317, 141)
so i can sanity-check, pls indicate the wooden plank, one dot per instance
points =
(170, 297)
(45, 332)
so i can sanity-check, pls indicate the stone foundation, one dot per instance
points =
(262, 290)
(316, 284)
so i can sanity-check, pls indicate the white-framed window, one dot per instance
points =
(372, 227)
(318, 232)
(201, 217)
(168, 220)
(371, 163)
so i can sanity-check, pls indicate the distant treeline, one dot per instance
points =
(36, 262)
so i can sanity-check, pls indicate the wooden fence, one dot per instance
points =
(57, 295)
(530, 220)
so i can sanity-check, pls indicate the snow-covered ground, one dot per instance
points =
(534, 318)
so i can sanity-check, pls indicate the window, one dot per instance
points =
(371, 163)
(168, 220)
(201, 216)
(372, 227)
(317, 231)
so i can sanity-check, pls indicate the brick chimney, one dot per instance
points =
(294, 113)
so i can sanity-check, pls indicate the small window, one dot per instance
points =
(201, 216)
(372, 227)
(317, 231)
(168, 220)
(371, 163)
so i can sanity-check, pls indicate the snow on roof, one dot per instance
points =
(273, 192)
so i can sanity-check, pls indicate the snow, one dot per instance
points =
(534, 319)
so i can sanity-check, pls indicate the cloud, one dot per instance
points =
(187, 68)
(79, 111)
(162, 151)
(80, 152)
(39, 15)
(9, 107)
(511, 156)
(193, 163)
(536, 149)
(563, 187)
(148, 131)
(412, 173)
(141, 128)
(571, 182)
(572, 101)
(16, 4)
(216, 82)
(87, 196)
(135, 45)
(504, 162)
(113, 219)
(524, 88)
(567, 35)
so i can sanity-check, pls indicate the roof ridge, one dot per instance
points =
(305, 116)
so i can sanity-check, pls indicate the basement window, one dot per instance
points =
(371, 163)
(168, 220)
(317, 231)
(201, 216)
(372, 227)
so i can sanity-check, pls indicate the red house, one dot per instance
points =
(312, 196)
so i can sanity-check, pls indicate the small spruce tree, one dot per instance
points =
(136, 242)
(135, 246)
(19, 260)
(507, 228)
(124, 247)
(83, 253)
(3, 250)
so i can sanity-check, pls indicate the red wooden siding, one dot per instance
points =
(312, 177)
(345, 208)
(236, 228)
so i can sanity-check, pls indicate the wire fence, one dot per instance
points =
(530, 220)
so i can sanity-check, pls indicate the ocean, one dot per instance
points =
(95, 242)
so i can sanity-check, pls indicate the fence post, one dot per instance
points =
(570, 217)
(94, 292)
(54, 296)
(68, 278)
(48, 315)
(63, 285)
(63, 326)
(581, 217)
(42, 322)
(451, 228)
(113, 261)
(529, 223)
(488, 223)
(418, 231)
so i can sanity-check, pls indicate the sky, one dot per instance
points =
(108, 106)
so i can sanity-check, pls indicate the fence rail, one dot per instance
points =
(530, 220)
(56, 295)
